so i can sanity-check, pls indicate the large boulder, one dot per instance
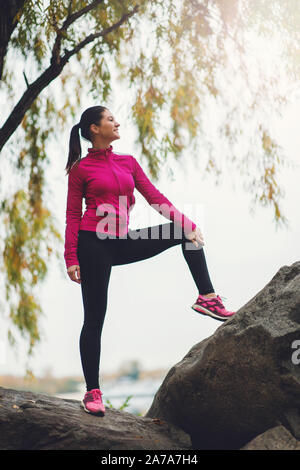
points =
(242, 380)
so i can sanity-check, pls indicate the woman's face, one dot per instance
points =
(107, 129)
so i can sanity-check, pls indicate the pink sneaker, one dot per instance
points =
(213, 307)
(92, 402)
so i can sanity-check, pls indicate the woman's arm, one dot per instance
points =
(160, 203)
(73, 215)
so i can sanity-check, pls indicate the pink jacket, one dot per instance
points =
(107, 180)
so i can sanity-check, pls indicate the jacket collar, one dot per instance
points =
(100, 152)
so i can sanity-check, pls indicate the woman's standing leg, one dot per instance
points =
(95, 270)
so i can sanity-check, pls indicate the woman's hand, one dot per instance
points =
(196, 237)
(74, 273)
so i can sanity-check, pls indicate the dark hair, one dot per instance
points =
(90, 116)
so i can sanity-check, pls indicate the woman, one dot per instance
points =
(101, 239)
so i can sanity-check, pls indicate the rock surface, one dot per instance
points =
(278, 438)
(241, 381)
(33, 421)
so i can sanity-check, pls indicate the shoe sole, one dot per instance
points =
(203, 310)
(99, 413)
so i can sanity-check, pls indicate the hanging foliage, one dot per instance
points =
(179, 59)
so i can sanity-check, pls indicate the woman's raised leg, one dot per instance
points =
(147, 242)
(150, 241)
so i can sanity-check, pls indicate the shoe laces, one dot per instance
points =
(216, 298)
(215, 301)
(94, 394)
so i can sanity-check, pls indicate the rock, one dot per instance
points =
(33, 421)
(291, 420)
(241, 381)
(278, 438)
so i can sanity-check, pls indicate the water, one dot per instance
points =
(117, 391)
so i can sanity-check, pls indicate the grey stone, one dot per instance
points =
(241, 381)
(277, 438)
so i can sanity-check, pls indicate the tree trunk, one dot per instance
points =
(8, 22)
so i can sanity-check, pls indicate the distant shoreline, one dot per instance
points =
(68, 384)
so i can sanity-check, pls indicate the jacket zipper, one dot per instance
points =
(114, 173)
(111, 167)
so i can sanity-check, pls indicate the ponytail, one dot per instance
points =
(90, 116)
(74, 147)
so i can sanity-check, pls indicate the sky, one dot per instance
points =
(149, 316)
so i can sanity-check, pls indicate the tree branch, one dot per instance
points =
(94, 36)
(74, 16)
(52, 72)
(70, 7)
(25, 78)
(71, 18)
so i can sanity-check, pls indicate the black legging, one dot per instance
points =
(96, 257)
